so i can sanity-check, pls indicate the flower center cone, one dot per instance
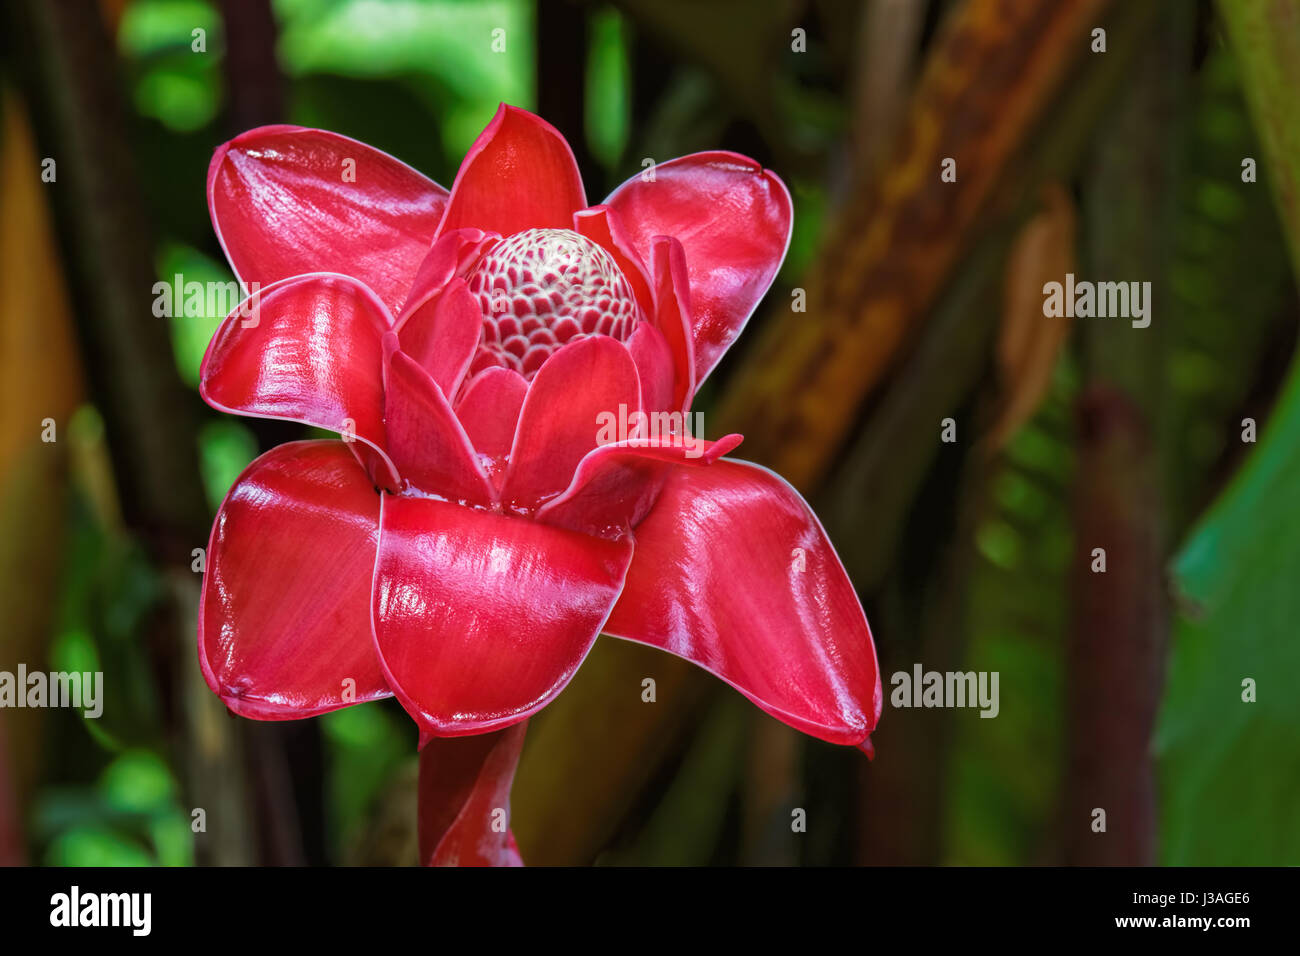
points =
(542, 288)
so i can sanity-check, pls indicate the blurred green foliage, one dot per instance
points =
(367, 745)
(608, 87)
(688, 821)
(127, 813)
(130, 817)
(1001, 801)
(1229, 279)
(226, 447)
(158, 40)
(194, 318)
(458, 59)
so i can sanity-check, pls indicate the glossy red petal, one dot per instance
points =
(310, 351)
(465, 799)
(654, 365)
(519, 174)
(581, 388)
(480, 619)
(615, 486)
(287, 200)
(284, 620)
(734, 572)
(489, 409)
(443, 334)
(673, 298)
(440, 319)
(425, 439)
(452, 255)
(733, 217)
(600, 224)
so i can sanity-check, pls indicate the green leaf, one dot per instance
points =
(1231, 768)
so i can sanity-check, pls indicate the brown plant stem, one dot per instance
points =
(1120, 616)
(992, 72)
(889, 34)
(254, 85)
(1114, 658)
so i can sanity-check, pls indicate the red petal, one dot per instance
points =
(615, 486)
(489, 409)
(425, 439)
(519, 174)
(654, 366)
(311, 352)
(440, 319)
(442, 334)
(734, 572)
(451, 255)
(563, 415)
(733, 217)
(284, 619)
(281, 207)
(481, 619)
(465, 799)
(600, 224)
(672, 293)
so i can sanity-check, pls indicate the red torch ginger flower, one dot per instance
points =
(472, 533)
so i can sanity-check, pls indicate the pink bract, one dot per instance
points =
(472, 533)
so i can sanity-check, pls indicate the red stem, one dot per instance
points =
(465, 799)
